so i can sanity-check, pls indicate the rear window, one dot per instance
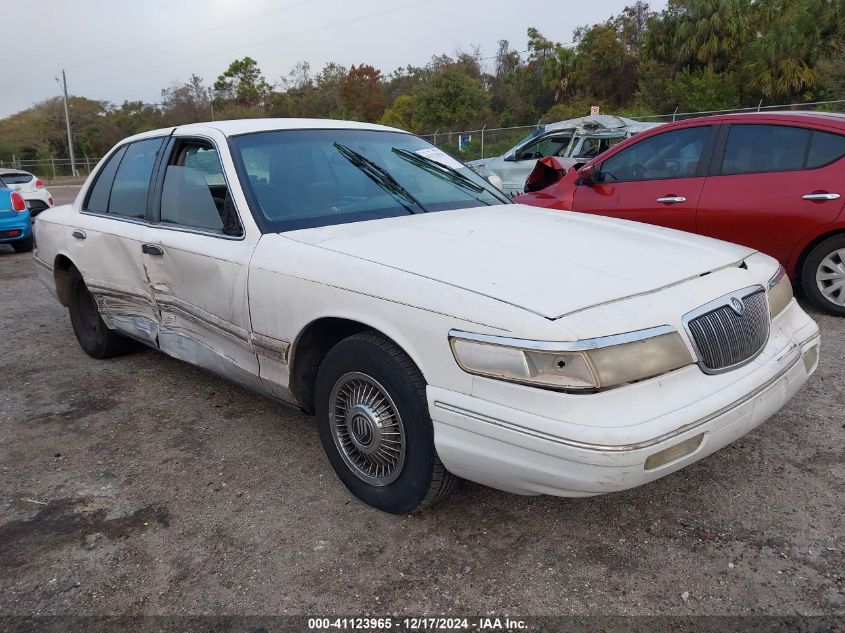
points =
(825, 148)
(16, 179)
(762, 148)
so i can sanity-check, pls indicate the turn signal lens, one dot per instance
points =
(780, 292)
(811, 358)
(674, 453)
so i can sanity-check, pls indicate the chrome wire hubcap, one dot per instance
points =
(367, 429)
(830, 277)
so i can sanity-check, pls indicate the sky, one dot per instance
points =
(118, 50)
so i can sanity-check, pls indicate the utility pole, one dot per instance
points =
(67, 122)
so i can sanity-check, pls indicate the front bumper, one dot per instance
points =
(17, 227)
(599, 443)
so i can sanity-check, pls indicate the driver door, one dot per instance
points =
(657, 180)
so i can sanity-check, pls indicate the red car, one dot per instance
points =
(774, 182)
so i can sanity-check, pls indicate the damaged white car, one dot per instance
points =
(436, 329)
(573, 141)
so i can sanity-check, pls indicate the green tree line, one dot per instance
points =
(694, 55)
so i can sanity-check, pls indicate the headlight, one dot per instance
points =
(780, 292)
(587, 364)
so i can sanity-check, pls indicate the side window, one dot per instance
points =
(98, 199)
(546, 146)
(674, 154)
(825, 148)
(194, 193)
(132, 180)
(761, 148)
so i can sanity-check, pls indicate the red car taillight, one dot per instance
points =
(18, 203)
(39, 184)
(50, 200)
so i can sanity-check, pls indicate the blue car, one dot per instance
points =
(15, 223)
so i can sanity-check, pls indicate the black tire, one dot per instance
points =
(421, 480)
(812, 262)
(23, 246)
(95, 338)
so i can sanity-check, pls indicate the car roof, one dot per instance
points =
(9, 170)
(247, 126)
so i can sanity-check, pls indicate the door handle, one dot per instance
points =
(821, 196)
(79, 234)
(152, 249)
(671, 199)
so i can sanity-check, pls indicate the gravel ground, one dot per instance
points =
(141, 485)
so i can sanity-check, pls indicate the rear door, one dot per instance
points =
(771, 185)
(106, 242)
(197, 258)
(657, 180)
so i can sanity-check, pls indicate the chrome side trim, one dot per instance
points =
(622, 448)
(200, 317)
(42, 263)
(564, 346)
(272, 348)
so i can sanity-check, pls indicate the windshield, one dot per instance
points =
(296, 179)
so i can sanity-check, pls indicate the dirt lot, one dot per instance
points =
(142, 485)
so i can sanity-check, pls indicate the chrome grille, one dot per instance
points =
(725, 338)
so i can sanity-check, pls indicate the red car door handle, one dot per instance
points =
(671, 199)
(821, 196)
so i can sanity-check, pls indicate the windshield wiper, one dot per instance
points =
(380, 176)
(440, 170)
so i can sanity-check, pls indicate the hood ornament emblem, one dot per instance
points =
(737, 306)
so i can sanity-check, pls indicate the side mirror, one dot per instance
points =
(589, 175)
(510, 157)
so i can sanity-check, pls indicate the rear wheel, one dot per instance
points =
(95, 338)
(374, 424)
(823, 275)
(23, 246)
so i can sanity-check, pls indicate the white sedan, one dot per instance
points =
(31, 188)
(436, 329)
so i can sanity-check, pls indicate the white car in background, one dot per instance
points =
(31, 188)
(574, 140)
(435, 328)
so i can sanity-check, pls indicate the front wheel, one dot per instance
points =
(94, 336)
(823, 275)
(374, 425)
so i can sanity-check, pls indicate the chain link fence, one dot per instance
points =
(52, 169)
(485, 142)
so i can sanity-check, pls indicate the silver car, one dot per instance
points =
(581, 138)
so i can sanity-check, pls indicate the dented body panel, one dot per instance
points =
(241, 306)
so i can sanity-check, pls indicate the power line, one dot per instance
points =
(185, 36)
(278, 37)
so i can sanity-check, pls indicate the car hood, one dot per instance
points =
(548, 262)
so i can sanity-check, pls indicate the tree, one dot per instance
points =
(632, 25)
(604, 69)
(186, 103)
(781, 60)
(242, 83)
(711, 32)
(401, 113)
(453, 100)
(362, 93)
